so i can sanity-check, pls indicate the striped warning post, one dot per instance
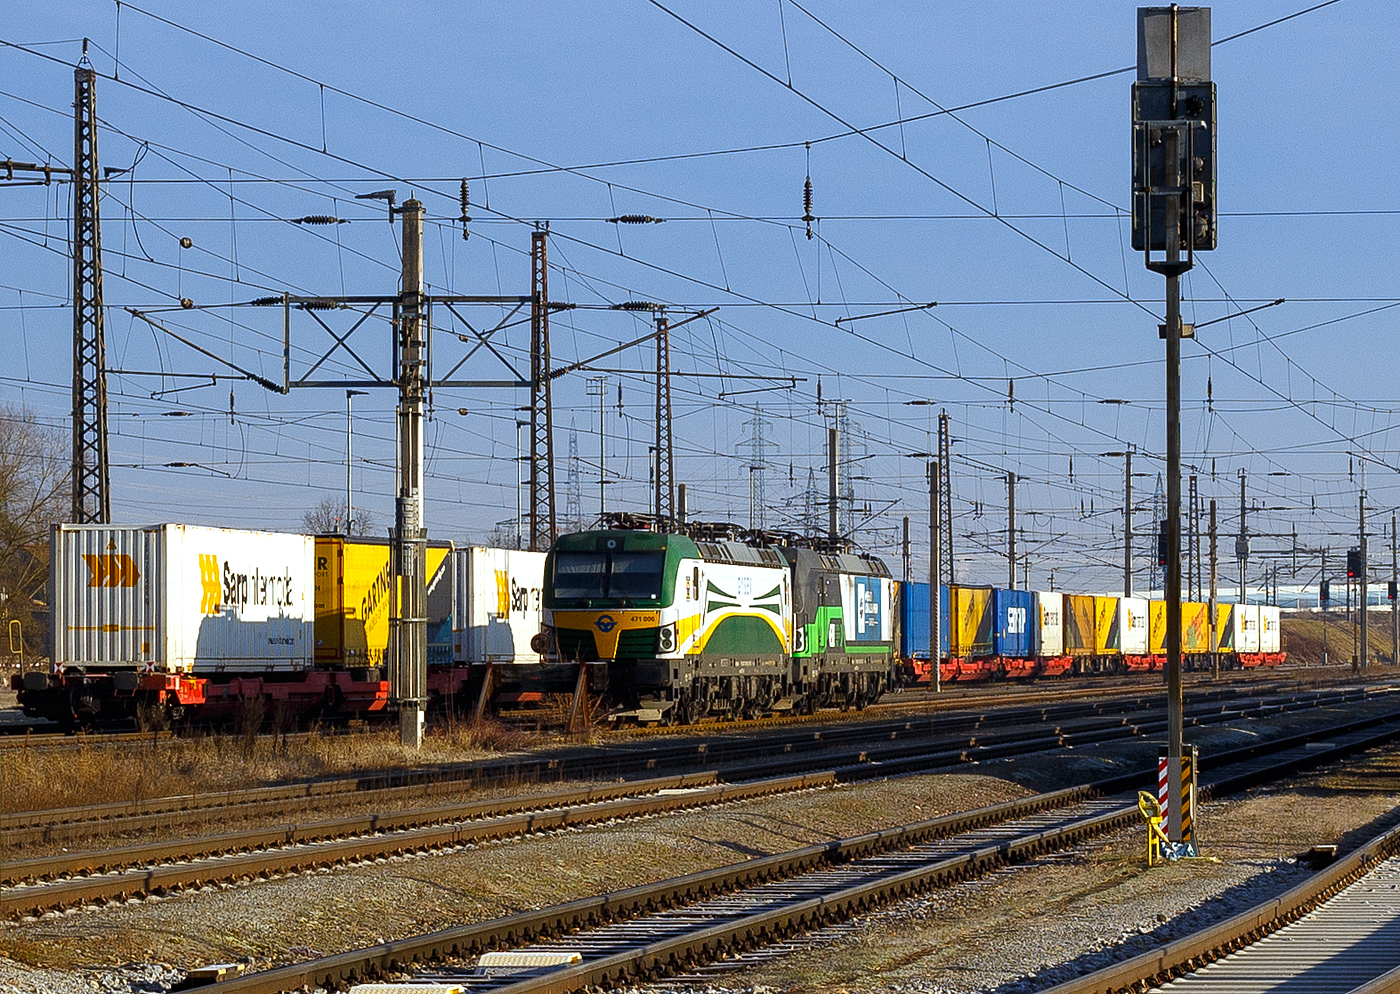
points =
(1163, 794)
(1188, 795)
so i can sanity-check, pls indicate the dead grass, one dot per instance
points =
(36, 779)
(1303, 638)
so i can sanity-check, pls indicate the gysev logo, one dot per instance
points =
(111, 570)
(605, 623)
(209, 584)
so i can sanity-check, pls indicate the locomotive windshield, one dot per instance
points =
(615, 576)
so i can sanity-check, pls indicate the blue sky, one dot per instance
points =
(1008, 214)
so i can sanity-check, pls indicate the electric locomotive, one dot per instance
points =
(683, 627)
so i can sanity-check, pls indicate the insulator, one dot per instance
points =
(318, 219)
(186, 243)
(465, 198)
(561, 305)
(319, 304)
(186, 303)
(636, 305)
(265, 301)
(636, 219)
(807, 206)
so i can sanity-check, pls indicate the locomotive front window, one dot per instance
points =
(636, 575)
(629, 576)
(579, 575)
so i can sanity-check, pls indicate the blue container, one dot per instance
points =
(913, 620)
(1014, 635)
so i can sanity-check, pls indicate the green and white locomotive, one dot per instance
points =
(681, 629)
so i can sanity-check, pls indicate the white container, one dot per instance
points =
(1247, 628)
(1132, 625)
(499, 592)
(1050, 607)
(181, 598)
(1269, 638)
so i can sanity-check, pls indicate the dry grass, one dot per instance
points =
(35, 779)
(1303, 638)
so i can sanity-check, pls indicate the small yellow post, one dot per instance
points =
(1156, 835)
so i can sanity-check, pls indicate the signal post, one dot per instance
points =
(1174, 209)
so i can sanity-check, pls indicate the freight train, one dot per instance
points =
(177, 623)
(989, 633)
(676, 629)
(173, 623)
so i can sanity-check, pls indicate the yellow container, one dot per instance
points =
(1079, 625)
(1195, 628)
(353, 586)
(970, 624)
(1107, 637)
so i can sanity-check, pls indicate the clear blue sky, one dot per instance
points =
(1008, 214)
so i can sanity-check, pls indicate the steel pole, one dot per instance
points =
(1128, 524)
(935, 603)
(410, 536)
(831, 482)
(905, 548)
(1214, 604)
(1011, 530)
(1363, 585)
(1172, 592)
(1243, 549)
(349, 461)
(1395, 603)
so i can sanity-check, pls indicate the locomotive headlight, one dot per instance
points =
(666, 638)
(541, 641)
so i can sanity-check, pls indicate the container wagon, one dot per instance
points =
(500, 601)
(167, 622)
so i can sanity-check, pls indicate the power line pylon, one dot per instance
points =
(758, 466)
(91, 495)
(573, 486)
(543, 526)
(665, 453)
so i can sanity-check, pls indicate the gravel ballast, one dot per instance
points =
(1018, 930)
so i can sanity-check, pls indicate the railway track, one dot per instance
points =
(30, 734)
(657, 930)
(1338, 931)
(65, 880)
(920, 743)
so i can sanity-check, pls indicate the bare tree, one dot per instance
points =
(327, 517)
(34, 495)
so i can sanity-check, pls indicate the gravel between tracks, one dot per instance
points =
(1066, 909)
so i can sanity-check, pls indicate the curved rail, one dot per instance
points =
(646, 956)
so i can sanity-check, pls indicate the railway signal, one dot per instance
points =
(1173, 192)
